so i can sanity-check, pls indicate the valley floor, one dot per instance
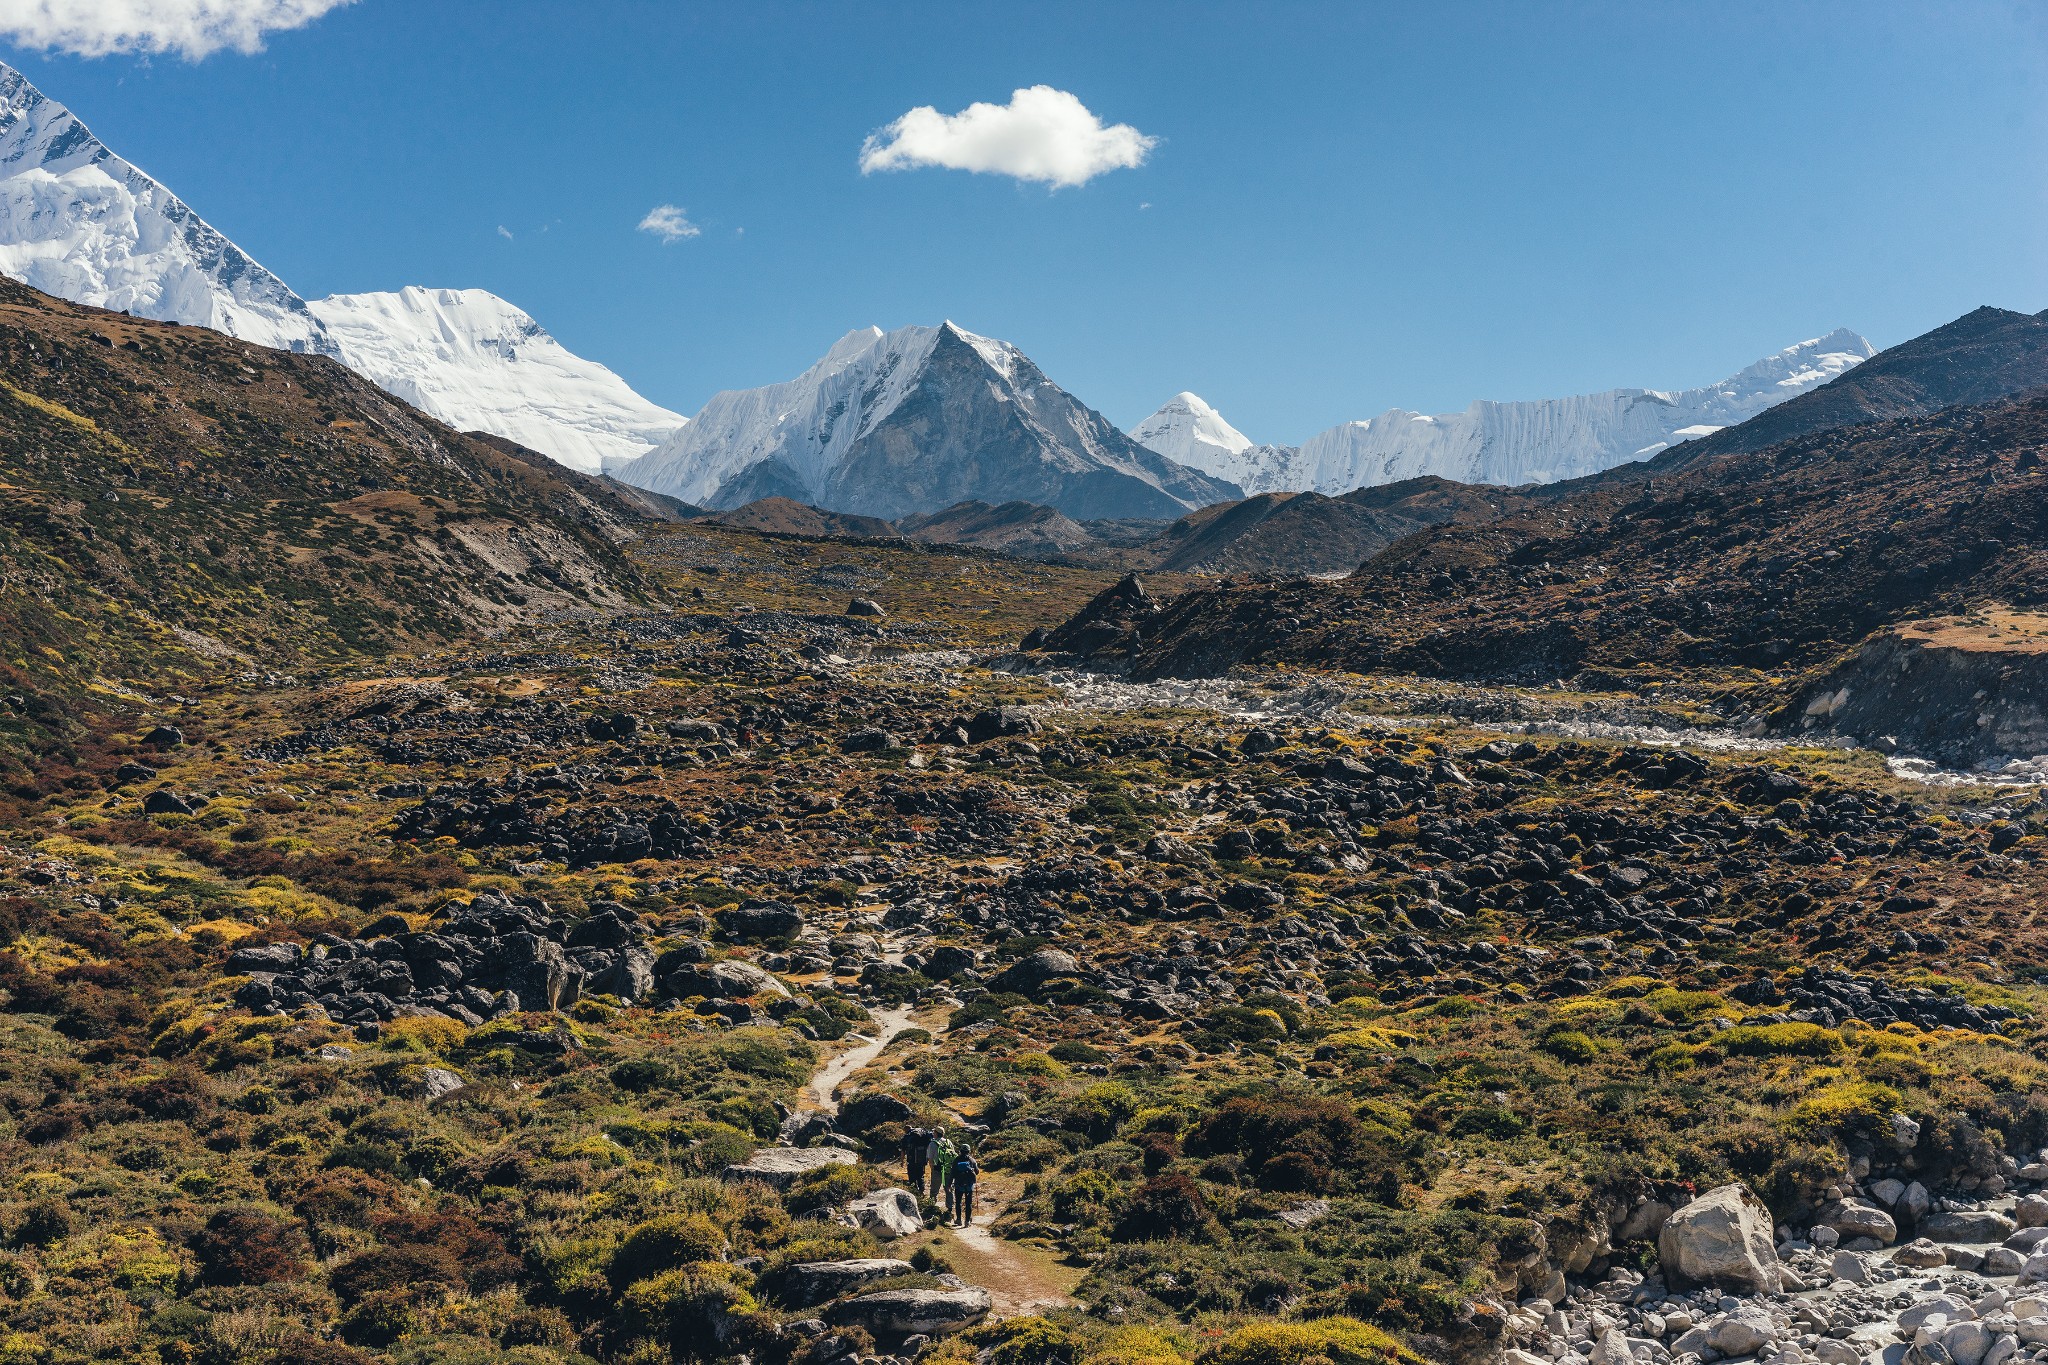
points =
(506, 1003)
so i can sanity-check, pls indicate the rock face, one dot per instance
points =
(782, 1166)
(886, 1213)
(1724, 1237)
(907, 1312)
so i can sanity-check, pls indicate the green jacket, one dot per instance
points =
(948, 1154)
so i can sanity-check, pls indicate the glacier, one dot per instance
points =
(1507, 443)
(479, 364)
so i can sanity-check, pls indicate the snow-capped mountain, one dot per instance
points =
(79, 222)
(1190, 432)
(1541, 441)
(916, 420)
(480, 364)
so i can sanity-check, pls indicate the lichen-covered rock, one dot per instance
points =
(903, 1312)
(781, 1166)
(886, 1213)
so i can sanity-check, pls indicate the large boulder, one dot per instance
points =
(1978, 1225)
(870, 1109)
(814, 1282)
(1723, 1238)
(1030, 975)
(1857, 1218)
(784, 1166)
(720, 980)
(756, 920)
(627, 973)
(268, 957)
(886, 1213)
(913, 1312)
(533, 968)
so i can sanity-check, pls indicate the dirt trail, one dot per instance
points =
(1019, 1280)
(821, 1092)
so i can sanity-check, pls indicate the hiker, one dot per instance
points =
(942, 1155)
(914, 1143)
(965, 1169)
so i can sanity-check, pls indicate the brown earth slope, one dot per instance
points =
(176, 500)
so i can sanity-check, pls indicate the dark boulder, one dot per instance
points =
(755, 920)
(870, 1110)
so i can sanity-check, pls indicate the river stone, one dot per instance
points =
(2031, 1212)
(886, 1213)
(1981, 1225)
(1856, 1218)
(783, 1166)
(902, 1312)
(1743, 1332)
(1920, 1254)
(2003, 1261)
(1966, 1342)
(1724, 1237)
(813, 1282)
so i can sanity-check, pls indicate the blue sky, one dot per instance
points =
(1351, 206)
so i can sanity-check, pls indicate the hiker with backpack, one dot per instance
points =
(914, 1144)
(965, 1171)
(941, 1153)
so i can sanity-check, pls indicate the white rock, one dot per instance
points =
(1831, 1352)
(1943, 1306)
(1966, 1342)
(1743, 1332)
(1723, 1237)
(2031, 1211)
(886, 1213)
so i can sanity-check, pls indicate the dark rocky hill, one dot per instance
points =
(1298, 534)
(788, 517)
(177, 500)
(1769, 560)
(1027, 530)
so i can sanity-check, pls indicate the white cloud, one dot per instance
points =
(191, 28)
(1041, 134)
(669, 223)
(505, 232)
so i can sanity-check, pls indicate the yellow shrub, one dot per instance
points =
(1037, 1064)
(1136, 1346)
(435, 1033)
(1777, 1040)
(1339, 1341)
(1848, 1102)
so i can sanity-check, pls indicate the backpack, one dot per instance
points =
(964, 1171)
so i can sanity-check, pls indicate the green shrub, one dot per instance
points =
(1848, 1105)
(1570, 1046)
(664, 1243)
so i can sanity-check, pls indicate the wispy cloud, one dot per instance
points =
(190, 28)
(505, 232)
(669, 223)
(1042, 134)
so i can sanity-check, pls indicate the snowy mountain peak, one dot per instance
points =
(79, 222)
(1188, 430)
(480, 364)
(917, 420)
(1542, 441)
